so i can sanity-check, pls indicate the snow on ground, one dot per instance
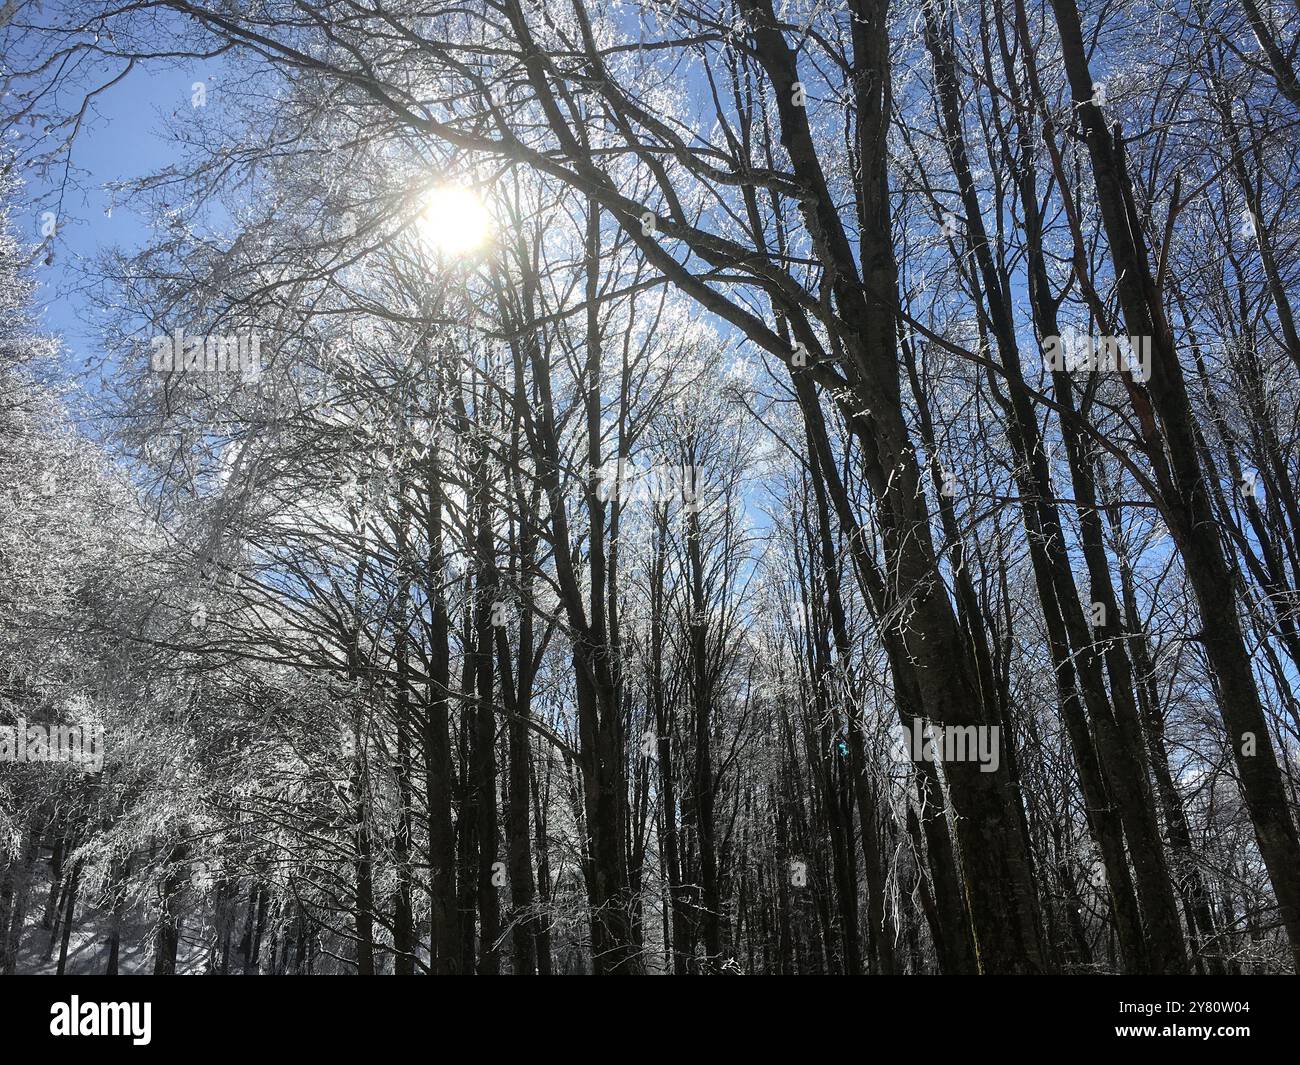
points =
(88, 943)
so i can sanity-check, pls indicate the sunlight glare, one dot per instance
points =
(454, 220)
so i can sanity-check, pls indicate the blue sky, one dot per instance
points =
(121, 140)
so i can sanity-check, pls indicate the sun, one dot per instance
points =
(454, 220)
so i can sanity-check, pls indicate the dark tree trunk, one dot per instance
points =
(1171, 448)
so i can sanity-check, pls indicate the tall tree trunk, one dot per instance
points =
(1185, 496)
(444, 924)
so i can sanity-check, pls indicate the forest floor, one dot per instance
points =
(88, 943)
